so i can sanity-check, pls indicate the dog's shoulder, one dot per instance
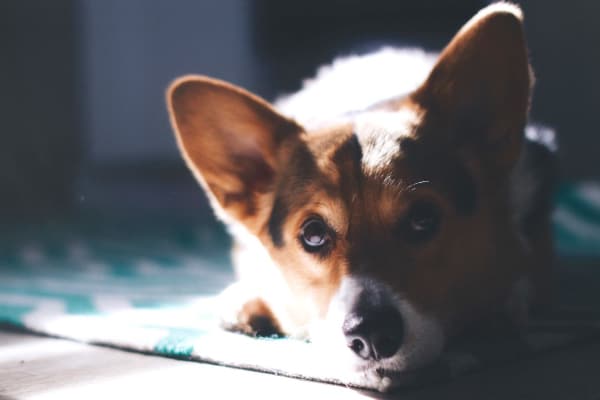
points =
(356, 82)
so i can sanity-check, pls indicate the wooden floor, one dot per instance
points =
(34, 367)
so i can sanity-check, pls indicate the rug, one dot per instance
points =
(149, 285)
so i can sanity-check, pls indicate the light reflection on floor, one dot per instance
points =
(45, 368)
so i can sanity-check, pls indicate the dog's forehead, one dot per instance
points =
(366, 147)
(362, 158)
(382, 152)
(380, 134)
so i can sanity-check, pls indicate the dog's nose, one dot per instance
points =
(376, 334)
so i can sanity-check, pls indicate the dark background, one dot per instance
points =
(82, 83)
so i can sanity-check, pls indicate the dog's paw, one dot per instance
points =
(246, 312)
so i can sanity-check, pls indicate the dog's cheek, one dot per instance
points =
(326, 334)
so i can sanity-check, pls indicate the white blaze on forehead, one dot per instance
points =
(378, 133)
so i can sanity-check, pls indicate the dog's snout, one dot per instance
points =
(374, 334)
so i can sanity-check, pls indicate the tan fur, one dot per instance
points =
(237, 178)
(470, 112)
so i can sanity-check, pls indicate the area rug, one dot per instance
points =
(150, 285)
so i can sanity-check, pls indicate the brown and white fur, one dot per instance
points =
(386, 206)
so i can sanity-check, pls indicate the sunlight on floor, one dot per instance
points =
(45, 368)
(30, 348)
(181, 381)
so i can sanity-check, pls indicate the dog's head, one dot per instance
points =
(393, 226)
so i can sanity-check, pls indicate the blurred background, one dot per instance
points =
(82, 84)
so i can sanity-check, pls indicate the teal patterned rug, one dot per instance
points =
(150, 286)
(577, 220)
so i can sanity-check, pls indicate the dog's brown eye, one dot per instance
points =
(314, 235)
(421, 222)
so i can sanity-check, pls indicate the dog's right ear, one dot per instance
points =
(479, 90)
(231, 140)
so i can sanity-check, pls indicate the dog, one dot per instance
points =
(397, 199)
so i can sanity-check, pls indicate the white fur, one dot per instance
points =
(377, 130)
(354, 83)
(258, 277)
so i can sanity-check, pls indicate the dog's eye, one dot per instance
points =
(314, 235)
(421, 222)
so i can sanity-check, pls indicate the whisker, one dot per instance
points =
(413, 186)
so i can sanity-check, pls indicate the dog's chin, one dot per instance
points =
(423, 344)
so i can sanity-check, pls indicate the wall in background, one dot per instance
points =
(132, 49)
(83, 80)
(40, 135)
(564, 40)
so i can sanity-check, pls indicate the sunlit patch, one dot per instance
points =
(378, 133)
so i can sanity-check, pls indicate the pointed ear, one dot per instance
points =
(480, 87)
(231, 140)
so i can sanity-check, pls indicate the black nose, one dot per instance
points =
(374, 334)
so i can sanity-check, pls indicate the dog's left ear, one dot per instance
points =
(232, 141)
(478, 92)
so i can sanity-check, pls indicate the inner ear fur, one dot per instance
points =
(230, 139)
(479, 90)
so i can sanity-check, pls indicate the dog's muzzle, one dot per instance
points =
(377, 333)
(374, 332)
(372, 325)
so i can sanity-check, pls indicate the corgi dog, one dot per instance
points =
(391, 203)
